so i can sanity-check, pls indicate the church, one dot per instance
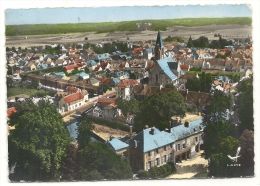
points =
(166, 70)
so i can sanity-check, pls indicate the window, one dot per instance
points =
(196, 139)
(183, 145)
(157, 161)
(171, 146)
(164, 148)
(79, 104)
(148, 154)
(149, 165)
(156, 151)
(164, 159)
(179, 147)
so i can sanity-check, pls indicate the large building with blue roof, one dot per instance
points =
(153, 147)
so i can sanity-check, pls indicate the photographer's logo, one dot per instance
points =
(234, 159)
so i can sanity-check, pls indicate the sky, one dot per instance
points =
(122, 13)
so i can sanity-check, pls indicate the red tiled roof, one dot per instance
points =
(104, 80)
(78, 60)
(11, 111)
(149, 66)
(97, 68)
(106, 100)
(184, 67)
(127, 82)
(73, 97)
(74, 89)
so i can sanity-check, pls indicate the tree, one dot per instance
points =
(10, 82)
(171, 86)
(208, 82)
(84, 133)
(158, 109)
(7, 49)
(96, 162)
(193, 84)
(128, 106)
(245, 103)
(228, 145)
(39, 142)
(203, 82)
(246, 142)
(215, 122)
(190, 43)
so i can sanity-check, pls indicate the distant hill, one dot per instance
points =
(108, 27)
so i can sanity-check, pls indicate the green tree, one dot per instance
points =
(128, 106)
(106, 88)
(84, 132)
(203, 82)
(158, 109)
(228, 145)
(10, 82)
(39, 142)
(208, 82)
(171, 86)
(132, 76)
(215, 122)
(245, 103)
(7, 49)
(190, 43)
(96, 162)
(193, 84)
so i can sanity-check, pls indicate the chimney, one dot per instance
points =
(131, 131)
(135, 143)
(187, 124)
(146, 127)
(170, 126)
(152, 131)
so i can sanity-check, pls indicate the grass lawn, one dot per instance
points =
(27, 91)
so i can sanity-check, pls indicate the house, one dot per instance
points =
(106, 107)
(185, 68)
(183, 78)
(147, 53)
(121, 75)
(165, 71)
(91, 64)
(118, 147)
(154, 148)
(94, 81)
(102, 57)
(83, 75)
(124, 88)
(71, 102)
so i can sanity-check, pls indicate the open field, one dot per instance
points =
(108, 27)
(232, 31)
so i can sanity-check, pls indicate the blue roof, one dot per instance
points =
(116, 80)
(44, 66)
(181, 131)
(102, 56)
(49, 56)
(91, 63)
(148, 50)
(82, 74)
(59, 74)
(164, 64)
(117, 144)
(73, 130)
(159, 40)
(147, 142)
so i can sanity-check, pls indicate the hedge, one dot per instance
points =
(158, 172)
(109, 123)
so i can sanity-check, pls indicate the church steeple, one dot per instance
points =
(159, 40)
(159, 47)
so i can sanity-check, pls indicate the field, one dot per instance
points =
(27, 91)
(110, 27)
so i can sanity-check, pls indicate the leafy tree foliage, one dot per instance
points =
(245, 103)
(50, 50)
(172, 39)
(84, 133)
(203, 82)
(158, 109)
(39, 142)
(224, 56)
(128, 106)
(193, 84)
(96, 162)
(170, 86)
(228, 145)
(190, 44)
(246, 142)
(215, 122)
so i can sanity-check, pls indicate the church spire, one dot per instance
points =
(159, 40)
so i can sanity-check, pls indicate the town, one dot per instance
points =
(156, 104)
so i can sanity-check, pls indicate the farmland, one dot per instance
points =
(110, 27)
